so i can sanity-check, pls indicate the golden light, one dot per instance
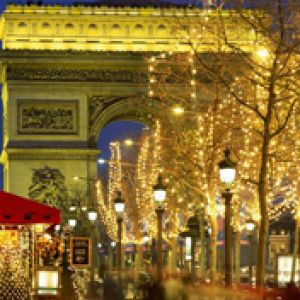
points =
(262, 53)
(39, 228)
(128, 142)
(92, 215)
(75, 178)
(72, 222)
(178, 110)
(101, 161)
(48, 280)
(47, 236)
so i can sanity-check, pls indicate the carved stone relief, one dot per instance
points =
(76, 75)
(48, 186)
(47, 116)
(97, 104)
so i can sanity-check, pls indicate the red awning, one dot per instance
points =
(19, 210)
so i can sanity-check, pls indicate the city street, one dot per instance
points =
(150, 149)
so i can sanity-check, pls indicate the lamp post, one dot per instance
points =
(119, 206)
(146, 239)
(92, 216)
(159, 194)
(227, 176)
(72, 222)
(250, 225)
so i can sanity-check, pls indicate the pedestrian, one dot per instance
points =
(112, 289)
(155, 291)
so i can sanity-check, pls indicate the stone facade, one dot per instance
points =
(53, 114)
(66, 72)
(116, 28)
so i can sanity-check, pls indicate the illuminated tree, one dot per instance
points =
(251, 63)
(48, 186)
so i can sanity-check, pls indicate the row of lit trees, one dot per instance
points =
(237, 96)
(227, 174)
(244, 97)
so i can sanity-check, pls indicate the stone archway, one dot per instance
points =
(55, 105)
(77, 68)
(134, 108)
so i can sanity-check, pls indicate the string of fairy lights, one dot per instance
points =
(250, 152)
(236, 125)
(147, 169)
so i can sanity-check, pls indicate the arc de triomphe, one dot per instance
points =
(68, 71)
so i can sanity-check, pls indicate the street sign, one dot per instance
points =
(80, 252)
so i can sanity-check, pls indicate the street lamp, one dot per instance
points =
(92, 215)
(250, 226)
(178, 110)
(159, 194)
(145, 238)
(119, 205)
(72, 222)
(227, 176)
(128, 142)
(72, 206)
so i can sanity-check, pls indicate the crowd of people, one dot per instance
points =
(175, 287)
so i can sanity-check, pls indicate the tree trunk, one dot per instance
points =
(261, 253)
(262, 190)
(202, 253)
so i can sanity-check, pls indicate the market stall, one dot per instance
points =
(29, 252)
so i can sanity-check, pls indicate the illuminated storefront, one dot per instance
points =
(29, 254)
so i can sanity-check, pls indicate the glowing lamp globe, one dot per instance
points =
(72, 207)
(128, 142)
(145, 238)
(92, 215)
(159, 192)
(72, 222)
(178, 110)
(57, 227)
(227, 169)
(250, 225)
(101, 161)
(119, 204)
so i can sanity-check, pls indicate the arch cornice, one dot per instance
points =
(134, 107)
